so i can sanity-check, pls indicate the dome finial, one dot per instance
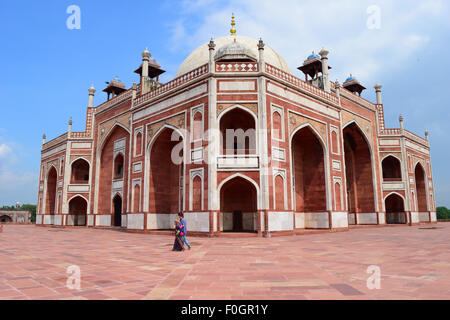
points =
(233, 26)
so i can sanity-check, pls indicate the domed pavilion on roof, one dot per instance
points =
(238, 144)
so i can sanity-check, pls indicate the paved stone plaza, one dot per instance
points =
(414, 262)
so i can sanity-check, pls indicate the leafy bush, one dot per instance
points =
(442, 213)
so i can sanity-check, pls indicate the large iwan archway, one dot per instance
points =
(238, 206)
(52, 177)
(166, 173)
(358, 166)
(419, 173)
(308, 167)
(113, 168)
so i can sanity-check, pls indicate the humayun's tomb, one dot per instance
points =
(239, 144)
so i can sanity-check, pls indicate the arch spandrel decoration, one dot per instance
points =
(416, 160)
(364, 124)
(178, 121)
(221, 107)
(54, 163)
(106, 127)
(397, 155)
(296, 120)
(76, 157)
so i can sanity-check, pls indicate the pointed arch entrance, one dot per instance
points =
(358, 170)
(5, 219)
(117, 209)
(238, 206)
(308, 165)
(113, 170)
(419, 174)
(395, 209)
(52, 178)
(166, 191)
(78, 211)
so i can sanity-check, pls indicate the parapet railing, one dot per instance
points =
(188, 77)
(344, 92)
(55, 141)
(280, 74)
(415, 137)
(121, 97)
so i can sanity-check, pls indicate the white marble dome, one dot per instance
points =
(200, 56)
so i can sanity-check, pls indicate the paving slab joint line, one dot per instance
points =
(197, 255)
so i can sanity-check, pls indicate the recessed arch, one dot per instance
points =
(244, 124)
(277, 125)
(391, 167)
(197, 192)
(52, 185)
(421, 188)
(5, 219)
(136, 197)
(118, 165)
(237, 106)
(138, 143)
(148, 157)
(359, 170)
(117, 141)
(165, 175)
(78, 210)
(80, 171)
(309, 170)
(197, 125)
(239, 175)
(395, 208)
(279, 186)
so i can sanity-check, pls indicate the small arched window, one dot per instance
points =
(118, 166)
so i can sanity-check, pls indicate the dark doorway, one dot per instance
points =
(5, 219)
(238, 206)
(395, 210)
(78, 211)
(237, 221)
(117, 211)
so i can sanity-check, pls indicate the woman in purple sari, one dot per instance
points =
(178, 244)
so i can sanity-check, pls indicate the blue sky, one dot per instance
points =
(46, 68)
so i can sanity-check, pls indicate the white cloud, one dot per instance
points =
(295, 28)
(4, 151)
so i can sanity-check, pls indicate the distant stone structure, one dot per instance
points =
(15, 216)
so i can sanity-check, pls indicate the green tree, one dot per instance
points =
(32, 208)
(442, 213)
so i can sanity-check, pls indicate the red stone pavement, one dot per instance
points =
(414, 262)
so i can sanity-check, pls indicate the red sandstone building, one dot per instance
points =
(314, 154)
